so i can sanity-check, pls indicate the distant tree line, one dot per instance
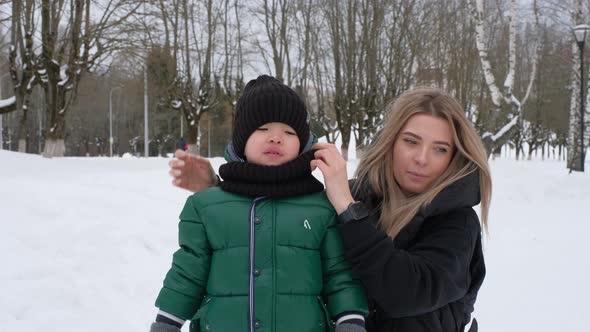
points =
(511, 64)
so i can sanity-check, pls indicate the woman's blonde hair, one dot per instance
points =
(376, 165)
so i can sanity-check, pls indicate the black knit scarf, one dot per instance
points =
(290, 179)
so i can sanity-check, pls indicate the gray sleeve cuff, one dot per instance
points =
(346, 327)
(163, 327)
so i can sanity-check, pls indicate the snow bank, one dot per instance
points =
(85, 244)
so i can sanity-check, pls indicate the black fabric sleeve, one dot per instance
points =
(429, 274)
(166, 320)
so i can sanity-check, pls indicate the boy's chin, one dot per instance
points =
(272, 161)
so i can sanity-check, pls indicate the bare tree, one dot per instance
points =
(573, 140)
(74, 43)
(373, 47)
(319, 92)
(233, 64)
(191, 53)
(341, 17)
(23, 62)
(493, 137)
(274, 16)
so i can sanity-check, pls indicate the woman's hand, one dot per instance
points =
(191, 172)
(333, 167)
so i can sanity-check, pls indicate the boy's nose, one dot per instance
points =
(275, 139)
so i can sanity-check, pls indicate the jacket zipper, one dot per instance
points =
(252, 247)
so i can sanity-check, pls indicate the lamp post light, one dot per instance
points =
(580, 32)
(111, 118)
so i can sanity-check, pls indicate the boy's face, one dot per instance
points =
(272, 144)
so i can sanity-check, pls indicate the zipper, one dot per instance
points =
(327, 319)
(251, 249)
(196, 319)
(274, 265)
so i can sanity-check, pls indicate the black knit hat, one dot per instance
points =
(265, 100)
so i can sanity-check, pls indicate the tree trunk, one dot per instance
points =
(23, 133)
(345, 142)
(193, 138)
(54, 144)
(54, 147)
(22, 145)
(573, 142)
(499, 138)
(497, 152)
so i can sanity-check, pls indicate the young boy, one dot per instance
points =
(261, 252)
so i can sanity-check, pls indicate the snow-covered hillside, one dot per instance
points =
(85, 243)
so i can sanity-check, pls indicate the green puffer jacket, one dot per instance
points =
(300, 276)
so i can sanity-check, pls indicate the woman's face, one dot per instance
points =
(422, 152)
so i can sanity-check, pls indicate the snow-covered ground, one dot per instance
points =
(85, 243)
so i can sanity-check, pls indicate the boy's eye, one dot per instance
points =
(262, 128)
(290, 132)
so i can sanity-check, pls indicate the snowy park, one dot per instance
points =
(85, 244)
(95, 97)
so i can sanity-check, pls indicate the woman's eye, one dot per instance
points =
(441, 150)
(409, 141)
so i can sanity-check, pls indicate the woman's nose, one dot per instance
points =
(421, 156)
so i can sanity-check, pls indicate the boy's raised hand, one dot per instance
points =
(191, 172)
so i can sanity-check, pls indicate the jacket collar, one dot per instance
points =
(463, 193)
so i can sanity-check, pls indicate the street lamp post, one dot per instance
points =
(209, 116)
(111, 118)
(1, 124)
(580, 32)
(145, 100)
(145, 113)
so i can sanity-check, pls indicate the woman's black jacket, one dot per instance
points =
(427, 278)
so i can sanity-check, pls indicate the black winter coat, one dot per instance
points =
(427, 278)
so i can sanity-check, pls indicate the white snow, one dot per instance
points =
(176, 104)
(63, 81)
(509, 81)
(7, 102)
(86, 242)
(502, 130)
(63, 75)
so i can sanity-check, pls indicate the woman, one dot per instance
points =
(408, 224)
